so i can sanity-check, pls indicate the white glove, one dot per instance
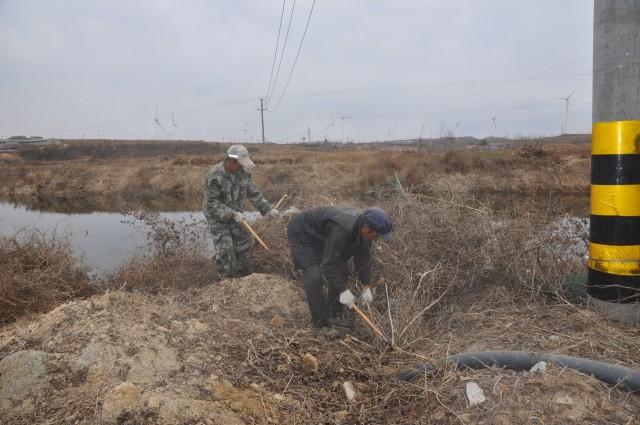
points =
(238, 217)
(366, 297)
(347, 298)
(273, 213)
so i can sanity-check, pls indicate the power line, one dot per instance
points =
(275, 54)
(296, 59)
(284, 46)
(448, 84)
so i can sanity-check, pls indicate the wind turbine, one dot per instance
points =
(331, 125)
(342, 118)
(493, 120)
(159, 125)
(175, 126)
(566, 110)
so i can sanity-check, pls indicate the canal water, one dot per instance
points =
(102, 240)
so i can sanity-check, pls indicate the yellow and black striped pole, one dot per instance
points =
(614, 241)
(614, 246)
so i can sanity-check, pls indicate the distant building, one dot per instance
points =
(15, 143)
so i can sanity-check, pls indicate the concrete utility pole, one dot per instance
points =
(261, 109)
(614, 242)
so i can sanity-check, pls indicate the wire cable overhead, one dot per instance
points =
(275, 53)
(296, 59)
(284, 46)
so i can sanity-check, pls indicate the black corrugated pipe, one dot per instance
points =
(523, 360)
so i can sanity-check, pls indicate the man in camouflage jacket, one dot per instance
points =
(227, 185)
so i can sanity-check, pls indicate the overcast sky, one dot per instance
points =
(367, 70)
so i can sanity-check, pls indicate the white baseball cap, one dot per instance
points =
(241, 154)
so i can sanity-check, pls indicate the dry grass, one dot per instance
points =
(438, 397)
(133, 170)
(443, 250)
(177, 258)
(37, 273)
(456, 278)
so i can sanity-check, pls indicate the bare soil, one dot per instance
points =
(232, 353)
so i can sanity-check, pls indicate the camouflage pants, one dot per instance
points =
(231, 243)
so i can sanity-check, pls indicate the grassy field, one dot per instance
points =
(144, 171)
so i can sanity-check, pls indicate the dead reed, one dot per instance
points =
(445, 250)
(177, 258)
(37, 273)
(457, 277)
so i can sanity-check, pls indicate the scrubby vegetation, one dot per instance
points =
(460, 275)
(112, 150)
(147, 170)
(38, 273)
(177, 259)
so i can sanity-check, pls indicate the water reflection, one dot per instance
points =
(115, 204)
(102, 240)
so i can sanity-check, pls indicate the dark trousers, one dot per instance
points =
(321, 307)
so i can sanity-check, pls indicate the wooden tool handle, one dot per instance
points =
(277, 205)
(369, 322)
(255, 235)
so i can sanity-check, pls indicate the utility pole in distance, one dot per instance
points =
(261, 109)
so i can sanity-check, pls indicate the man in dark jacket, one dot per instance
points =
(322, 241)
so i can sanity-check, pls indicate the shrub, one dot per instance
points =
(178, 257)
(37, 273)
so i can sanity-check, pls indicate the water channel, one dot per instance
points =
(103, 241)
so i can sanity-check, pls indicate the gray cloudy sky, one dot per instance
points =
(368, 69)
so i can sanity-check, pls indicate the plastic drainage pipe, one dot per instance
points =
(523, 360)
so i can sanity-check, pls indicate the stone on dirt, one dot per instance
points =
(310, 362)
(126, 397)
(341, 415)
(277, 321)
(563, 399)
(18, 373)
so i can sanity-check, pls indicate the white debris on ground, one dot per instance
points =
(349, 392)
(539, 367)
(574, 233)
(475, 394)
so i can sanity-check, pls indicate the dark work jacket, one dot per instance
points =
(329, 237)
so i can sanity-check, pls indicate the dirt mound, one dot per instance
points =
(122, 355)
(240, 351)
(259, 296)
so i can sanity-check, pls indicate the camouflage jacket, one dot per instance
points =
(225, 193)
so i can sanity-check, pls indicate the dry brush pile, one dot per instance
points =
(458, 278)
(177, 257)
(444, 251)
(37, 273)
